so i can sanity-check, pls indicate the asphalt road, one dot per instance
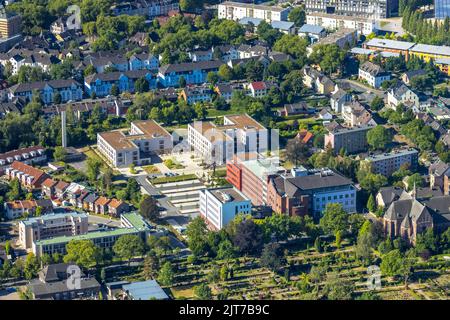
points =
(163, 200)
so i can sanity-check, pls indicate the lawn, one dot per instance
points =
(150, 169)
(184, 177)
(173, 164)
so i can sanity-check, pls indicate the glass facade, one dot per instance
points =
(441, 9)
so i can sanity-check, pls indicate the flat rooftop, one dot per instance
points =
(145, 290)
(52, 216)
(117, 140)
(225, 195)
(150, 128)
(262, 167)
(252, 6)
(390, 155)
(430, 49)
(338, 17)
(135, 220)
(390, 44)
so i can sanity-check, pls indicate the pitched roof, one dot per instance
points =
(49, 183)
(32, 171)
(190, 66)
(40, 85)
(102, 201)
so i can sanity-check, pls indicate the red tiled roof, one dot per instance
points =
(49, 183)
(61, 185)
(102, 201)
(259, 85)
(114, 203)
(32, 171)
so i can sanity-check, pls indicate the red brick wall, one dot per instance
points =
(234, 175)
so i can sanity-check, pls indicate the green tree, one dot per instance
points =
(196, 232)
(203, 292)
(377, 103)
(415, 180)
(391, 264)
(378, 137)
(371, 204)
(225, 72)
(298, 16)
(148, 208)
(272, 256)
(93, 169)
(166, 274)
(334, 219)
(60, 153)
(248, 237)
(115, 90)
(128, 246)
(82, 252)
(337, 288)
(31, 267)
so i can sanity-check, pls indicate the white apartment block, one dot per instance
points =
(51, 225)
(144, 139)
(335, 22)
(217, 143)
(219, 206)
(387, 163)
(373, 74)
(236, 11)
(375, 9)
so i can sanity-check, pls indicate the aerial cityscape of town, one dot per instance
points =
(224, 150)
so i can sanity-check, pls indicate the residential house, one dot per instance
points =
(387, 195)
(338, 99)
(101, 205)
(60, 188)
(117, 207)
(28, 176)
(295, 109)
(101, 84)
(306, 137)
(313, 32)
(354, 114)
(194, 94)
(409, 75)
(143, 61)
(192, 72)
(373, 74)
(89, 202)
(48, 187)
(404, 95)
(30, 155)
(352, 139)
(47, 90)
(201, 55)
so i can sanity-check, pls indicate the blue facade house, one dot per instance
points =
(70, 90)
(101, 83)
(193, 72)
(143, 61)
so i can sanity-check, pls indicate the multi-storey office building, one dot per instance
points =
(251, 176)
(310, 191)
(131, 223)
(217, 143)
(145, 138)
(335, 22)
(219, 206)
(51, 225)
(387, 163)
(237, 10)
(375, 9)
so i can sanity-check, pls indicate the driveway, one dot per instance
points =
(357, 86)
(163, 200)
